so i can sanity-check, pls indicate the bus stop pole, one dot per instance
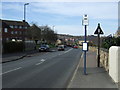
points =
(85, 51)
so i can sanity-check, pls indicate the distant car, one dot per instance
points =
(75, 46)
(61, 48)
(44, 48)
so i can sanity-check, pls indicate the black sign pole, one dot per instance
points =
(98, 50)
(98, 32)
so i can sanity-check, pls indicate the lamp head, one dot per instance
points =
(26, 4)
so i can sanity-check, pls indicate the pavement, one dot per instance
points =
(16, 56)
(19, 55)
(95, 78)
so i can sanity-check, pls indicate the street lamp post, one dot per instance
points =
(25, 11)
(24, 20)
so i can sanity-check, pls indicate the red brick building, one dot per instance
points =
(14, 30)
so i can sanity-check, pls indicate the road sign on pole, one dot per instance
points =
(85, 23)
(85, 46)
(98, 32)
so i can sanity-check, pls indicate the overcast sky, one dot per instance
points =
(66, 16)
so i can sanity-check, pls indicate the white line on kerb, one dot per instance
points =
(11, 70)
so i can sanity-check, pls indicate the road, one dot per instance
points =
(47, 70)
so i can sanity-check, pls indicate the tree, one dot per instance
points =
(42, 33)
(34, 33)
(48, 35)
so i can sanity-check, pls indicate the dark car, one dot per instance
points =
(61, 48)
(44, 48)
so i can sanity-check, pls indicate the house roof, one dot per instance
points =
(11, 22)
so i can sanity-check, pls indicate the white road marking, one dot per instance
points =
(39, 63)
(11, 70)
(68, 50)
(42, 60)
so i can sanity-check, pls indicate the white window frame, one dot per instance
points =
(5, 30)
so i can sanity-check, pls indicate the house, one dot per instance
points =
(14, 30)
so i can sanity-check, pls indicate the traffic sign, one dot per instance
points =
(98, 30)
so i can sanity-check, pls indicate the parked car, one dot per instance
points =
(75, 46)
(44, 48)
(61, 48)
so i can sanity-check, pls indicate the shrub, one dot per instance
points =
(110, 41)
(9, 47)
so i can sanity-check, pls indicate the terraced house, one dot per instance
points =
(14, 30)
(14, 36)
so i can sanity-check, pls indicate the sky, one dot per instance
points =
(66, 16)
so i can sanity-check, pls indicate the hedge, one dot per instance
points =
(9, 47)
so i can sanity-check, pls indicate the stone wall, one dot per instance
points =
(104, 57)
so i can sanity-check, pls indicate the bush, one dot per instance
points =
(110, 41)
(9, 47)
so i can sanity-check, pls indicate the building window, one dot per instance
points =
(25, 27)
(11, 26)
(16, 26)
(5, 30)
(12, 32)
(20, 27)
(15, 32)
